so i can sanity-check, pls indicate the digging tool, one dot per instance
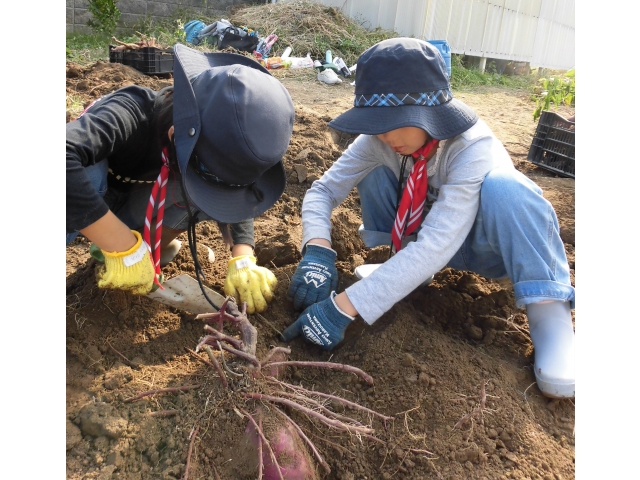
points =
(183, 292)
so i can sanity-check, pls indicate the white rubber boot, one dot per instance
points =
(554, 348)
(367, 269)
(169, 252)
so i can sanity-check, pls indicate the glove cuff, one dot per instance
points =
(321, 251)
(134, 272)
(242, 261)
(131, 256)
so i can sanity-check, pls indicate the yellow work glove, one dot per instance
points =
(132, 270)
(247, 282)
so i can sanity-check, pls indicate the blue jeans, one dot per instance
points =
(98, 177)
(131, 207)
(519, 239)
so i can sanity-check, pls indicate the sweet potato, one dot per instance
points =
(289, 449)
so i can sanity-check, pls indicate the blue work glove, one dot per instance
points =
(323, 323)
(315, 277)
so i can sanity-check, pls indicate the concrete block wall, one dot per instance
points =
(135, 11)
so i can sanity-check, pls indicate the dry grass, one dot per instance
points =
(310, 27)
(75, 105)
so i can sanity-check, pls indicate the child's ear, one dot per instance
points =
(170, 133)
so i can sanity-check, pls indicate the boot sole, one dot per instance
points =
(555, 389)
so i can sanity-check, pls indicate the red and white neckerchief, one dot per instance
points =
(414, 196)
(158, 194)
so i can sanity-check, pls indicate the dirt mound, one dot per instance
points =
(438, 355)
(310, 27)
(88, 83)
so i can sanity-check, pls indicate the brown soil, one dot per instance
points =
(429, 356)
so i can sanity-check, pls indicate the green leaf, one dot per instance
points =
(557, 98)
(568, 99)
(536, 113)
(96, 253)
(105, 15)
(558, 90)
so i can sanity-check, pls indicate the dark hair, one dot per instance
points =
(225, 231)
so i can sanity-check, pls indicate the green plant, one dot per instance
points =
(167, 32)
(178, 33)
(463, 77)
(559, 90)
(105, 15)
(87, 48)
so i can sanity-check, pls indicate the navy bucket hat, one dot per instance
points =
(403, 82)
(232, 125)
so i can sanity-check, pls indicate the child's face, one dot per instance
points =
(405, 140)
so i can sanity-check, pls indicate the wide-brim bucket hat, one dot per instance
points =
(403, 82)
(232, 125)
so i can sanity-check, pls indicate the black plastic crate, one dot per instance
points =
(554, 145)
(119, 57)
(148, 60)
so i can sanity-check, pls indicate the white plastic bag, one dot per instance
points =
(301, 62)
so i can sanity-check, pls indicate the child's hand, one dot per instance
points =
(132, 270)
(322, 323)
(249, 283)
(315, 277)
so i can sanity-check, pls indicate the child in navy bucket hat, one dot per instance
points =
(438, 187)
(144, 163)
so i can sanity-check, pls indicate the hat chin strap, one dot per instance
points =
(191, 233)
(207, 176)
(257, 192)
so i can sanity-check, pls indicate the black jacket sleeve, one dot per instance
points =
(115, 123)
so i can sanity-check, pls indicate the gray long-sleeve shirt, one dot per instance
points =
(455, 174)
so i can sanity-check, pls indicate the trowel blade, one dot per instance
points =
(183, 292)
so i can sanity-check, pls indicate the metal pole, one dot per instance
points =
(483, 58)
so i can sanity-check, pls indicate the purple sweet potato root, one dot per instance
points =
(275, 372)
(289, 449)
(295, 462)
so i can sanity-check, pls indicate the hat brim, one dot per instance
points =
(221, 202)
(192, 62)
(188, 63)
(227, 204)
(440, 121)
